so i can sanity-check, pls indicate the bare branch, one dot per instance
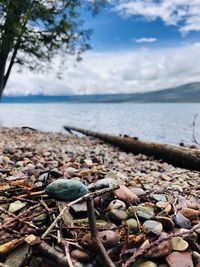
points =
(194, 139)
(95, 235)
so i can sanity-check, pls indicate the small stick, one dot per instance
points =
(43, 249)
(95, 235)
(32, 194)
(65, 246)
(45, 205)
(85, 197)
(25, 200)
(194, 139)
(58, 230)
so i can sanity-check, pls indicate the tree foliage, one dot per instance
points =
(34, 31)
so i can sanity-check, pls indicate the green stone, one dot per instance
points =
(141, 211)
(133, 227)
(66, 189)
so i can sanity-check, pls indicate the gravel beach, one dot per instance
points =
(154, 201)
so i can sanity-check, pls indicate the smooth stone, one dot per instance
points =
(16, 206)
(175, 258)
(141, 211)
(117, 176)
(164, 205)
(43, 177)
(125, 194)
(88, 162)
(117, 204)
(79, 208)
(109, 239)
(105, 182)
(15, 257)
(40, 219)
(159, 197)
(80, 255)
(196, 257)
(56, 173)
(167, 222)
(179, 244)
(147, 264)
(151, 226)
(190, 214)
(133, 227)
(182, 221)
(66, 189)
(38, 184)
(138, 191)
(117, 216)
(163, 213)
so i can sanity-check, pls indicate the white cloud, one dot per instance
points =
(129, 71)
(185, 14)
(145, 40)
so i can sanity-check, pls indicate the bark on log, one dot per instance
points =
(178, 156)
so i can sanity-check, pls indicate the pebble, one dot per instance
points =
(117, 216)
(106, 182)
(147, 264)
(16, 206)
(40, 219)
(79, 209)
(190, 214)
(125, 194)
(164, 205)
(65, 189)
(177, 258)
(159, 197)
(179, 244)
(196, 257)
(138, 191)
(141, 211)
(109, 239)
(80, 255)
(117, 204)
(182, 221)
(15, 257)
(151, 226)
(167, 222)
(133, 227)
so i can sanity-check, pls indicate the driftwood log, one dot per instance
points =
(178, 156)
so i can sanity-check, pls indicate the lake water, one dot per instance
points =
(166, 123)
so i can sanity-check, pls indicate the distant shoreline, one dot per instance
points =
(188, 93)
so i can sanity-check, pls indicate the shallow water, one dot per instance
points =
(166, 123)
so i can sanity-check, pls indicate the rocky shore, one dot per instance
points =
(148, 217)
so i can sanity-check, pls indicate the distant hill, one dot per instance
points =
(184, 93)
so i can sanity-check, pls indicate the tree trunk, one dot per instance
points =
(8, 42)
(2, 72)
(178, 156)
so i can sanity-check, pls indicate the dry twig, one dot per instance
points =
(95, 235)
(194, 139)
(50, 253)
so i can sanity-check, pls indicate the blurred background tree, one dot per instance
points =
(32, 32)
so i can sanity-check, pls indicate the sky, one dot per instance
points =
(138, 46)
